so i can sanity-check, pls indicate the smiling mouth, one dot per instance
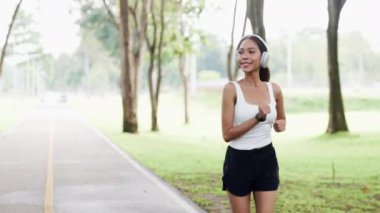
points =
(245, 64)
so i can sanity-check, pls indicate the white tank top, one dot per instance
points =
(259, 135)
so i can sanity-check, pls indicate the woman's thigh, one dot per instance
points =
(239, 204)
(265, 201)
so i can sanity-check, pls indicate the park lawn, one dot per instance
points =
(308, 181)
(318, 173)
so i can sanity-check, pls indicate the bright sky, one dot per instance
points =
(55, 20)
(59, 34)
(356, 15)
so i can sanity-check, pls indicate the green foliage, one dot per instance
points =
(212, 55)
(67, 72)
(25, 40)
(102, 71)
(310, 58)
(96, 20)
(182, 39)
(278, 62)
(358, 63)
(90, 68)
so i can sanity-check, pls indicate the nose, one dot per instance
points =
(244, 55)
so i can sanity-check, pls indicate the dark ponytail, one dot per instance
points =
(264, 74)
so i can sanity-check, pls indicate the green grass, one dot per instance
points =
(330, 174)
(307, 179)
(318, 173)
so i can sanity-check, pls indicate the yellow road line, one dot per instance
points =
(49, 187)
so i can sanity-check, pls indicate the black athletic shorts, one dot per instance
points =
(245, 171)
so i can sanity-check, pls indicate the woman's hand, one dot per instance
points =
(264, 110)
(279, 125)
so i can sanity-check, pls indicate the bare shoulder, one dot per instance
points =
(276, 89)
(229, 93)
(229, 89)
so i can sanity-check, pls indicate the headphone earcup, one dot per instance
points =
(264, 59)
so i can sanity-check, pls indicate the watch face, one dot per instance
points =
(258, 117)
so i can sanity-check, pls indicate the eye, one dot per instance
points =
(252, 52)
(239, 52)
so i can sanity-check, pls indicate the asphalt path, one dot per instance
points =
(55, 161)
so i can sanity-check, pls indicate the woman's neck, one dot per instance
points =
(252, 79)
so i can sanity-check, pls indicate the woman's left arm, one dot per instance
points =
(280, 123)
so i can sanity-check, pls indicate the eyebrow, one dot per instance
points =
(249, 48)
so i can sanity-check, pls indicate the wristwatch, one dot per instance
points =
(259, 117)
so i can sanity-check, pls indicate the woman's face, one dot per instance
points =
(248, 56)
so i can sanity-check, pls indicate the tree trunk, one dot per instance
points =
(182, 67)
(255, 13)
(127, 74)
(135, 53)
(337, 120)
(138, 42)
(236, 72)
(185, 83)
(155, 46)
(230, 58)
(152, 51)
(3, 51)
(159, 59)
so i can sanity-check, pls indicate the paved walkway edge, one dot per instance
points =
(14, 126)
(176, 195)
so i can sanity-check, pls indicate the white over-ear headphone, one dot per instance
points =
(264, 59)
(264, 55)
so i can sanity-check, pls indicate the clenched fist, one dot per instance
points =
(264, 110)
(279, 125)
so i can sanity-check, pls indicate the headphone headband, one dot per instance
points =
(258, 37)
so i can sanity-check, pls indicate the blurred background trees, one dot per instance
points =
(192, 59)
(100, 45)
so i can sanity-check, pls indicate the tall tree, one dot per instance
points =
(127, 75)
(154, 40)
(337, 120)
(182, 61)
(138, 45)
(232, 75)
(25, 46)
(188, 11)
(134, 53)
(255, 13)
(233, 71)
(3, 51)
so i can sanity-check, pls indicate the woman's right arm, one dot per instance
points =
(231, 132)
